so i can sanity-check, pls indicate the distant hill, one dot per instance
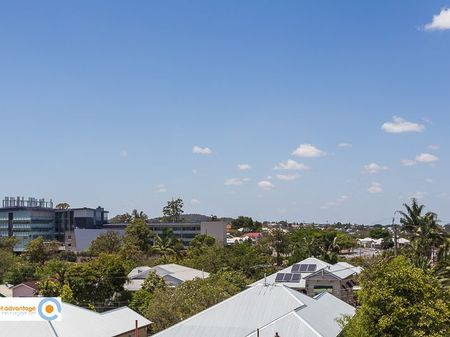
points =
(193, 218)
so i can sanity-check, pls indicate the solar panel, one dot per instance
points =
(312, 267)
(295, 268)
(279, 277)
(287, 277)
(303, 268)
(296, 277)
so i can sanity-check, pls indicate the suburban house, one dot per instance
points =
(25, 289)
(80, 322)
(266, 311)
(173, 274)
(313, 276)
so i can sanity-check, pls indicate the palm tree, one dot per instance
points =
(425, 232)
(166, 245)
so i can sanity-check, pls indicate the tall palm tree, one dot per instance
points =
(425, 232)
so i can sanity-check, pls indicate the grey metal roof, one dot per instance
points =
(298, 285)
(264, 307)
(79, 322)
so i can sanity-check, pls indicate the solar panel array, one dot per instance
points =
(288, 277)
(303, 268)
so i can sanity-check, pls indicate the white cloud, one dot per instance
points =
(236, 181)
(244, 167)
(418, 195)
(399, 125)
(123, 153)
(290, 165)
(375, 188)
(440, 21)
(408, 162)
(342, 145)
(374, 168)
(339, 201)
(434, 147)
(201, 150)
(288, 176)
(308, 150)
(195, 202)
(265, 185)
(161, 188)
(426, 158)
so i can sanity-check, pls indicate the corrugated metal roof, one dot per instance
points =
(264, 307)
(79, 322)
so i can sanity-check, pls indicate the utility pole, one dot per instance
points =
(395, 236)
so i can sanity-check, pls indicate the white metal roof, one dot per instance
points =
(261, 306)
(79, 322)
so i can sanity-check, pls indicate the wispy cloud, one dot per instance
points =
(344, 145)
(161, 188)
(308, 150)
(426, 158)
(236, 181)
(201, 150)
(375, 188)
(339, 201)
(440, 21)
(123, 153)
(400, 125)
(374, 168)
(408, 162)
(195, 202)
(290, 165)
(265, 185)
(288, 176)
(244, 167)
(434, 147)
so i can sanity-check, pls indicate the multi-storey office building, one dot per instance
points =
(27, 220)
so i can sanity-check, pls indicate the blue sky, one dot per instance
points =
(103, 103)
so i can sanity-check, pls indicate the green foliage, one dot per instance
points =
(138, 233)
(108, 242)
(166, 245)
(7, 243)
(96, 280)
(379, 233)
(7, 262)
(398, 299)
(141, 298)
(247, 223)
(62, 205)
(19, 272)
(52, 269)
(38, 251)
(170, 305)
(173, 210)
(278, 240)
(49, 288)
(67, 294)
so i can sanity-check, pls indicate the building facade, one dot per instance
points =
(28, 219)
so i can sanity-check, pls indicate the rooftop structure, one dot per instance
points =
(80, 322)
(264, 310)
(173, 274)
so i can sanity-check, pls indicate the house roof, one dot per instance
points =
(301, 283)
(30, 284)
(172, 273)
(6, 290)
(79, 322)
(265, 307)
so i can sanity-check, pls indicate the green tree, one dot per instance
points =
(166, 245)
(62, 205)
(38, 251)
(109, 242)
(19, 272)
(139, 233)
(279, 242)
(426, 234)
(243, 222)
(141, 298)
(173, 210)
(67, 294)
(398, 299)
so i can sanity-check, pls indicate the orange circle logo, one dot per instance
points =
(49, 309)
